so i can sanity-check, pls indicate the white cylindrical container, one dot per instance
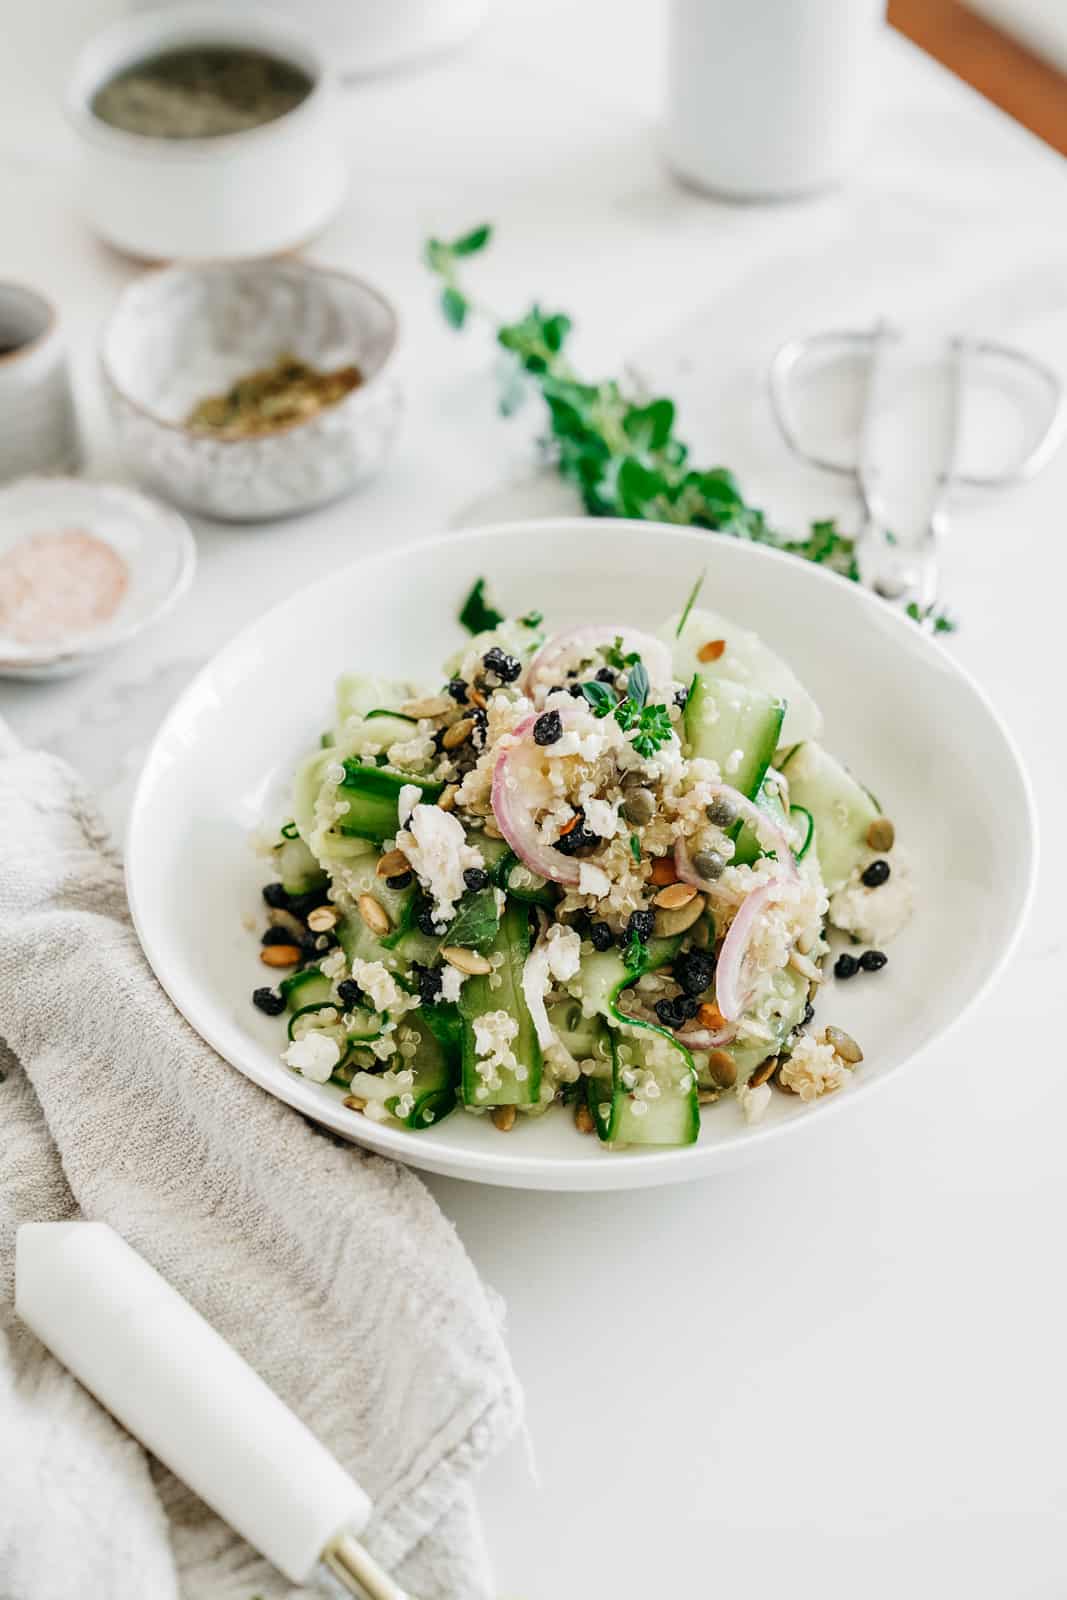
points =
(767, 99)
(37, 426)
(255, 192)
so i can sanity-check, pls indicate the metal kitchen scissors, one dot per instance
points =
(907, 571)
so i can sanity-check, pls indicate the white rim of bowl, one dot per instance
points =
(658, 1166)
(135, 38)
(96, 643)
(311, 269)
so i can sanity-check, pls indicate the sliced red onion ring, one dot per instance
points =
(733, 981)
(706, 1038)
(514, 816)
(544, 667)
(770, 835)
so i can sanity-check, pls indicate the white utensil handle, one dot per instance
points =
(170, 1379)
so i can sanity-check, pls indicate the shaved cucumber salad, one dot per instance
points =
(594, 868)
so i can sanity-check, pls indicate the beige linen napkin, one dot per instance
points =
(331, 1270)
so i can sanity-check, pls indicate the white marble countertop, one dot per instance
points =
(840, 1371)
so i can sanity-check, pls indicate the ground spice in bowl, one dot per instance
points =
(57, 585)
(201, 92)
(274, 397)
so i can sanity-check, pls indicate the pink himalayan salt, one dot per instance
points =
(55, 585)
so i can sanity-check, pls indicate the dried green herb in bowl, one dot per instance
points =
(201, 92)
(273, 397)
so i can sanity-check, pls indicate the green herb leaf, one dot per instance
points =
(635, 847)
(690, 603)
(634, 955)
(599, 697)
(290, 831)
(938, 621)
(637, 684)
(532, 619)
(614, 657)
(476, 921)
(454, 305)
(653, 730)
(468, 244)
(476, 614)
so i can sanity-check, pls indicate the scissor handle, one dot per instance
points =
(965, 348)
(783, 366)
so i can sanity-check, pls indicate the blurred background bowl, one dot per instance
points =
(180, 334)
(266, 188)
(153, 542)
(362, 37)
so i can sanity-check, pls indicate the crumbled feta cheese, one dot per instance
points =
(436, 846)
(314, 1056)
(593, 880)
(564, 948)
(406, 801)
(875, 915)
(451, 982)
(602, 818)
(754, 1102)
(812, 1069)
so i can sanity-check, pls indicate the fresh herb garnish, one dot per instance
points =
(637, 684)
(635, 847)
(599, 697)
(690, 603)
(290, 831)
(442, 259)
(930, 617)
(477, 920)
(650, 725)
(477, 615)
(614, 657)
(532, 619)
(634, 954)
(620, 450)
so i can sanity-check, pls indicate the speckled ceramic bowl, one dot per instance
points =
(181, 333)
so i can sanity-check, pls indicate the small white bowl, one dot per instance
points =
(251, 193)
(182, 333)
(38, 432)
(153, 541)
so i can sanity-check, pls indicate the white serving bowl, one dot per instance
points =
(897, 707)
(250, 193)
(181, 333)
(154, 542)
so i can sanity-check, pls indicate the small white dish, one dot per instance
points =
(897, 707)
(179, 334)
(38, 432)
(154, 542)
(250, 193)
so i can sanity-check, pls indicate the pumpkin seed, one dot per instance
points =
(374, 914)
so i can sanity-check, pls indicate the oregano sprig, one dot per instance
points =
(621, 450)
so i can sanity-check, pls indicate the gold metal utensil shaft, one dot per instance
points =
(359, 1572)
